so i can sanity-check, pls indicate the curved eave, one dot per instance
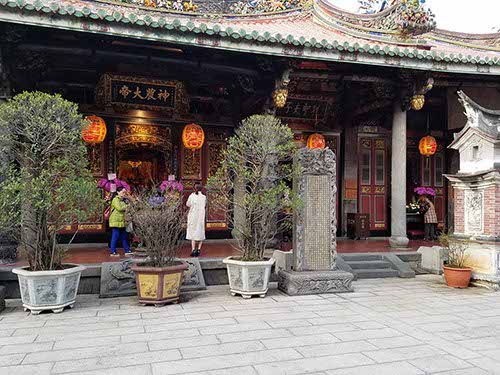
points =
(234, 36)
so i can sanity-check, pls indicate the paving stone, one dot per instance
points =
(88, 334)
(488, 364)
(13, 340)
(441, 363)
(116, 361)
(308, 365)
(11, 359)
(212, 324)
(6, 332)
(403, 324)
(327, 328)
(222, 349)
(26, 348)
(394, 342)
(229, 328)
(468, 371)
(395, 368)
(334, 349)
(254, 335)
(85, 343)
(224, 362)
(289, 342)
(40, 369)
(81, 353)
(162, 335)
(183, 342)
(129, 370)
(367, 334)
(247, 370)
(402, 354)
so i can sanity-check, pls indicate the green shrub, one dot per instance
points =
(47, 183)
(253, 182)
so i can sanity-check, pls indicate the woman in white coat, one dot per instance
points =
(196, 219)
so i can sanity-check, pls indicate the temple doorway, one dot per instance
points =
(144, 154)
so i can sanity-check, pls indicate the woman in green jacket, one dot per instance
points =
(117, 221)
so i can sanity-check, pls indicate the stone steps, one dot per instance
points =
(370, 266)
(376, 273)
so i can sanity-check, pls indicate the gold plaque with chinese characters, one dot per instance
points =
(142, 93)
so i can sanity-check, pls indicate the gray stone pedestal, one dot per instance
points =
(314, 241)
(315, 282)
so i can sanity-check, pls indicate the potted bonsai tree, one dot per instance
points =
(47, 187)
(158, 221)
(253, 180)
(456, 273)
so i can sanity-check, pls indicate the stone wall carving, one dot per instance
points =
(315, 234)
(474, 207)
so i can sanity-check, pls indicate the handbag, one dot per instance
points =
(107, 213)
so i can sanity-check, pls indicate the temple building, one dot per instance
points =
(373, 85)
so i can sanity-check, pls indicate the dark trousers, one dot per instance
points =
(119, 233)
(430, 231)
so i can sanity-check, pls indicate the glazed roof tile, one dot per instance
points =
(318, 29)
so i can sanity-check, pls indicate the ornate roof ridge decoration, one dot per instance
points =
(490, 42)
(405, 19)
(217, 9)
(486, 121)
(234, 34)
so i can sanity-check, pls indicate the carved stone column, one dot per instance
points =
(314, 241)
(398, 182)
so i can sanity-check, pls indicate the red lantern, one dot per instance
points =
(316, 141)
(95, 132)
(193, 136)
(427, 146)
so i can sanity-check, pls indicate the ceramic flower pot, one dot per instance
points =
(457, 277)
(49, 290)
(159, 285)
(249, 278)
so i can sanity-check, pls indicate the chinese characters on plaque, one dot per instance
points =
(141, 93)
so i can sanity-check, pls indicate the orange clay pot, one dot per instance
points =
(457, 277)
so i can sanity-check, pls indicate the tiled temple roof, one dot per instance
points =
(303, 28)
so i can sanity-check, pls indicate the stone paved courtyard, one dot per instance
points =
(388, 326)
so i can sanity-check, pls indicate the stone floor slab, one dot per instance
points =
(386, 326)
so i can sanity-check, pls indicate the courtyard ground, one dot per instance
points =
(387, 326)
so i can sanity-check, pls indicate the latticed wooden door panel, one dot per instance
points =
(372, 181)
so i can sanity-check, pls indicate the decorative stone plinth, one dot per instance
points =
(315, 282)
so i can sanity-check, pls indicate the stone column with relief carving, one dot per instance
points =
(314, 238)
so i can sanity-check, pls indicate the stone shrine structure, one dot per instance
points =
(314, 228)
(477, 189)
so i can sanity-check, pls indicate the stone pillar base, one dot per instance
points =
(399, 241)
(315, 282)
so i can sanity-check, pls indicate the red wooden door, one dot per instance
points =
(372, 181)
(432, 170)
